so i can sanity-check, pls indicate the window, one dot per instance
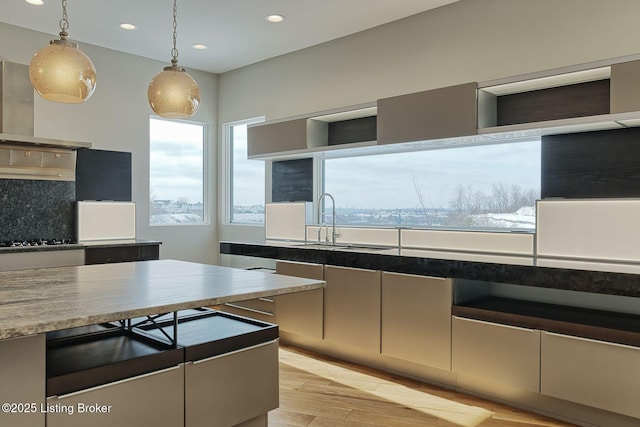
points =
(245, 185)
(472, 187)
(176, 172)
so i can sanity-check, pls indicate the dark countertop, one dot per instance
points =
(80, 245)
(50, 299)
(493, 268)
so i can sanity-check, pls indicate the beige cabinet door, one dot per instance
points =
(151, 400)
(22, 381)
(595, 373)
(230, 389)
(625, 92)
(264, 139)
(352, 307)
(439, 113)
(301, 313)
(500, 354)
(416, 319)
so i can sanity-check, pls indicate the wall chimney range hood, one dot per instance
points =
(22, 155)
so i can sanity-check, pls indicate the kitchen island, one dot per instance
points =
(40, 301)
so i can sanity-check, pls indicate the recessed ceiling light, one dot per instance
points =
(199, 46)
(275, 18)
(126, 26)
(35, 2)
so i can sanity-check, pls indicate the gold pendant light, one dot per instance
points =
(173, 93)
(61, 72)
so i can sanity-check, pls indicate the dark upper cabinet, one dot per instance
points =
(433, 114)
(103, 175)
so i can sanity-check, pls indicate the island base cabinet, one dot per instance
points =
(150, 400)
(594, 373)
(22, 375)
(236, 388)
(500, 354)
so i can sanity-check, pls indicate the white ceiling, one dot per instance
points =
(234, 30)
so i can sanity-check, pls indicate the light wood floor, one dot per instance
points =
(318, 391)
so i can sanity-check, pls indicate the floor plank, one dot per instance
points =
(318, 391)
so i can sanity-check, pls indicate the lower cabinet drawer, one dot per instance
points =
(590, 372)
(232, 388)
(496, 353)
(150, 400)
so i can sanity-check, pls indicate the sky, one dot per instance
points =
(387, 181)
(176, 160)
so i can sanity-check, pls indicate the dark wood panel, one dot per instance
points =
(591, 164)
(121, 254)
(354, 130)
(103, 175)
(292, 181)
(577, 100)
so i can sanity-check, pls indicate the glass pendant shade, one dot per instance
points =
(174, 94)
(61, 72)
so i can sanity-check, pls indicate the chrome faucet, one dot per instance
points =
(334, 233)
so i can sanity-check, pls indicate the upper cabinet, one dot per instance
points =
(303, 136)
(587, 97)
(290, 135)
(625, 91)
(598, 96)
(433, 114)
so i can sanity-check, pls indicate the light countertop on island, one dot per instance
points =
(49, 299)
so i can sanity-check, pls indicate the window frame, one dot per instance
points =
(226, 176)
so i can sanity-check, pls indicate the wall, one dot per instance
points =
(116, 118)
(470, 40)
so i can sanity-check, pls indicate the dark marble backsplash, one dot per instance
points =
(32, 209)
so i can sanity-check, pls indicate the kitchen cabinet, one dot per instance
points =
(150, 400)
(416, 319)
(134, 380)
(301, 313)
(231, 367)
(352, 308)
(625, 93)
(121, 253)
(22, 380)
(594, 373)
(279, 137)
(232, 388)
(262, 309)
(433, 114)
(495, 353)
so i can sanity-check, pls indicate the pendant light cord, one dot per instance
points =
(174, 51)
(64, 22)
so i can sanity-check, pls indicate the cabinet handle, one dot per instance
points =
(86, 390)
(29, 173)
